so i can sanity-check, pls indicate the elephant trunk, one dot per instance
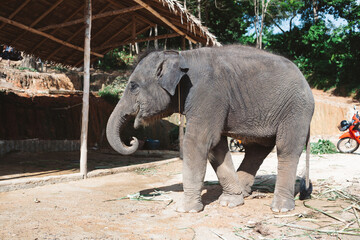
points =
(113, 128)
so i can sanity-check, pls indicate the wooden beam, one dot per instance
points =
(16, 12)
(68, 40)
(86, 92)
(32, 30)
(133, 33)
(170, 35)
(156, 14)
(115, 35)
(130, 39)
(145, 20)
(38, 20)
(46, 13)
(77, 32)
(72, 36)
(103, 28)
(97, 16)
(55, 30)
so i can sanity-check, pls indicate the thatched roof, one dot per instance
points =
(54, 30)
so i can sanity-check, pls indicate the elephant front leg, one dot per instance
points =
(194, 169)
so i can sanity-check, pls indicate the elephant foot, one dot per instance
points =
(190, 207)
(231, 200)
(246, 181)
(281, 204)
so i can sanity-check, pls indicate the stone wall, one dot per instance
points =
(36, 145)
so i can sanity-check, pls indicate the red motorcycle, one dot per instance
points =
(349, 142)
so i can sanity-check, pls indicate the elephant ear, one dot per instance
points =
(171, 70)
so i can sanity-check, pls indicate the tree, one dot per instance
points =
(260, 20)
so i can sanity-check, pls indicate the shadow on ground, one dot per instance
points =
(15, 165)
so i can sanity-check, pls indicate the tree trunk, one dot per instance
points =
(315, 7)
(256, 12)
(156, 43)
(148, 42)
(259, 32)
(199, 9)
(137, 48)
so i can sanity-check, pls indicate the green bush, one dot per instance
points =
(26, 68)
(323, 147)
(115, 60)
(114, 91)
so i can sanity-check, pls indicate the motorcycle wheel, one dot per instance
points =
(347, 145)
(233, 145)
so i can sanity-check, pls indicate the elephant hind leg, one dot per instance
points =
(290, 144)
(220, 159)
(254, 157)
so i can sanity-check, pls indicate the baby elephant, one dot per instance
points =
(235, 91)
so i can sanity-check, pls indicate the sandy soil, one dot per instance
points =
(94, 208)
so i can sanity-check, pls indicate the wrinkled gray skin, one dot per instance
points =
(235, 91)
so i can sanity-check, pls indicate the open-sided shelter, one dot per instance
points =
(54, 29)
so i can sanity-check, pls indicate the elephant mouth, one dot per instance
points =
(143, 119)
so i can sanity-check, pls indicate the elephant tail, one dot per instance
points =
(308, 149)
(306, 188)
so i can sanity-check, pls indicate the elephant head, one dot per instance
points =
(148, 95)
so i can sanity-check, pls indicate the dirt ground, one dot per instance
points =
(118, 206)
(141, 203)
(23, 165)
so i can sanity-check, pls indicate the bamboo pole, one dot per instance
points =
(22, 26)
(85, 108)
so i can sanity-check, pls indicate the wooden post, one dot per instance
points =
(181, 116)
(85, 108)
(183, 44)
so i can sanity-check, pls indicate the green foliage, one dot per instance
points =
(323, 147)
(26, 68)
(115, 59)
(114, 91)
(226, 19)
(327, 54)
(60, 68)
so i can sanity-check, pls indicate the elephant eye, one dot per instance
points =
(134, 87)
